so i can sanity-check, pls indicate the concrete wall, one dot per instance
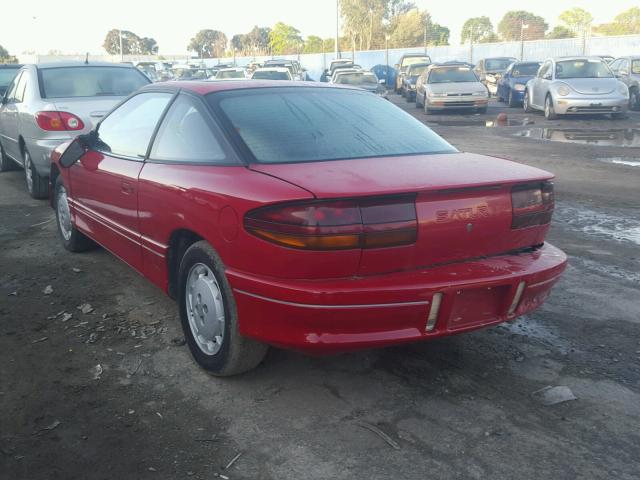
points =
(315, 63)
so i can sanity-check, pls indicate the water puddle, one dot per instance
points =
(622, 229)
(629, 162)
(493, 123)
(618, 137)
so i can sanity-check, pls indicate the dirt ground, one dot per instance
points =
(113, 393)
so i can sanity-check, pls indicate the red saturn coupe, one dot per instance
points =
(306, 216)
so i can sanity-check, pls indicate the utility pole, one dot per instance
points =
(425, 38)
(337, 29)
(523, 27)
(386, 56)
(121, 50)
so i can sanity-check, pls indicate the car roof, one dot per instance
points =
(272, 69)
(204, 87)
(11, 65)
(46, 65)
(578, 57)
(231, 69)
(414, 55)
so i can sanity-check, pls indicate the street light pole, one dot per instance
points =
(425, 38)
(523, 27)
(121, 51)
(386, 56)
(337, 29)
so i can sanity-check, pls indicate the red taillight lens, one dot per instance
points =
(532, 204)
(337, 225)
(58, 121)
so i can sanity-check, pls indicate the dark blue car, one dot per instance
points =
(511, 85)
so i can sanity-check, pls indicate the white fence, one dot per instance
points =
(315, 63)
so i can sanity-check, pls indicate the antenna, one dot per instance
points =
(86, 59)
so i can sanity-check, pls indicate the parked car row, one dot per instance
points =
(558, 86)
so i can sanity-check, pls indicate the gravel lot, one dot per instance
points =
(112, 392)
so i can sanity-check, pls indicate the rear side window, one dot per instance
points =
(280, 125)
(128, 129)
(68, 82)
(187, 135)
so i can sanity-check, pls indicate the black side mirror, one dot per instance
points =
(77, 148)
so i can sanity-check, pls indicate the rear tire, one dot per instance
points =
(72, 239)
(37, 186)
(209, 316)
(634, 99)
(6, 164)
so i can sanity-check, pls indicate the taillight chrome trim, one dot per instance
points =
(516, 298)
(432, 318)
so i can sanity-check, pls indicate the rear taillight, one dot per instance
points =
(532, 204)
(58, 121)
(337, 225)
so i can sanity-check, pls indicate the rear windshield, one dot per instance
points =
(357, 79)
(497, 65)
(452, 75)
(417, 69)
(271, 76)
(582, 69)
(6, 75)
(292, 125)
(230, 74)
(411, 60)
(66, 82)
(525, 70)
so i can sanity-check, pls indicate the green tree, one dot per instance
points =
(208, 43)
(4, 53)
(577, 20)
(625, 23)
(408, 30)
(438, 35)
(258, 39)
(284, 39)
(362, 20)
(560, 32)
(148, 46)
(477, 30)
(132, 44)
(510, 27)
(313, 44)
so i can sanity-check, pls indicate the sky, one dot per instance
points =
(74, 26)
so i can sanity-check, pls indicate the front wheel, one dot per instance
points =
(549, 111)
(526, 102)
(37, 185)
(209, 317)
(72, 239)
(634, 99)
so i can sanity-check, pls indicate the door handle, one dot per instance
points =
(127, 188)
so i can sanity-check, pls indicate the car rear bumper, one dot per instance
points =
(327, 316)
(40, 151)
(578, 106)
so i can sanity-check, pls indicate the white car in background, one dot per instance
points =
(230, 74)
(272, 73)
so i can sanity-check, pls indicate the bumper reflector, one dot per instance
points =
(433, 311)
(516, 298)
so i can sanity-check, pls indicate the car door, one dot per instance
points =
(504, 83)
(541, 84)
(9, 118)
(190, 163)
(624, 71)
(104, 182)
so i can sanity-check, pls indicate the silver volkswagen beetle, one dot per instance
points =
(576, 85)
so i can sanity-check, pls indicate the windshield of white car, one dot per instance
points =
(635, 67)
(318, 124)
(6, 75)
(357, 79)
(271, 75)
(230, 74)
(497, 65)
(411, 60)
(68, 82)
(416, 70)
(525, 70)
(582, 69)
(452, 75)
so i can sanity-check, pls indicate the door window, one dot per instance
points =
(11, 91)
(187, 134)
(127, 131)
(20, 88)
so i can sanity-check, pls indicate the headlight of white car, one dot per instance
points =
(622, 88)
(518, 87)
(563, 90)
(479, 94)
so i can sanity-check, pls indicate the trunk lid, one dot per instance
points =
(463, 203)
(90, 110)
